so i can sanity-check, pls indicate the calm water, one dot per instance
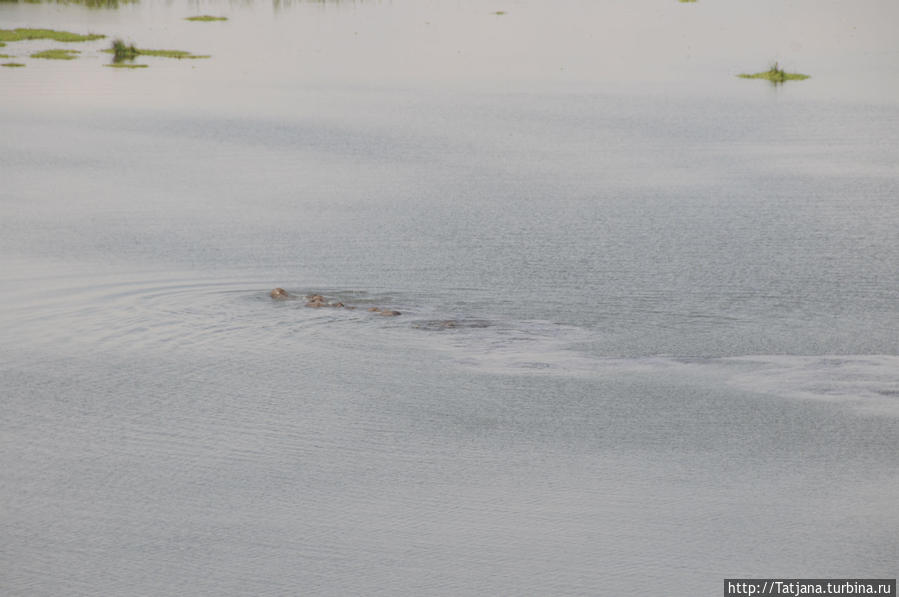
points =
(674, 355)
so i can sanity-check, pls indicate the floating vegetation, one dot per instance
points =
(686, 1)
(179, 54)
(206, 18)
(123, 51)
(12, 64)
(85, 3)
(63, 36)
(279, 4)
(56, 54)
(130, 52)
(124, 54)
(5, 56)
(776, 75)
(499, 13)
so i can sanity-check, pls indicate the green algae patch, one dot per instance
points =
(5, 56)
(776, 75)
(206, 18)
(7, 35)
(56, 54)
(499, 13)
(85, 3)
(686, 1)
(179, 54)
(12, 64)
(124, 52)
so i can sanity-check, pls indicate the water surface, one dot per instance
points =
(673, 355)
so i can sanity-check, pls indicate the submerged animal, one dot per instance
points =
(316, 301)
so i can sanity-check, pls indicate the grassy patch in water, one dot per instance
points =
(125, 65)
(123, 52)
(85, 3)
(179, 54)
(206, 18)
(56, 54)
(12, 64)
(499, 13)
(5, 56)
(63, 36)
(775, 74)
(686, 1)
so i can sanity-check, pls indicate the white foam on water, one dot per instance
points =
(544, 348)
(868, 379)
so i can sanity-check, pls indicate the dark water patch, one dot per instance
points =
(440, 325)
(534, 365)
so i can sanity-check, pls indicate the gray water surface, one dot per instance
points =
(673, 348)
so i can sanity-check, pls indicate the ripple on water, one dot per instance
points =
(135, 314)
(143, 315)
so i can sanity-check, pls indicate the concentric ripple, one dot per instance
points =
(144, 314)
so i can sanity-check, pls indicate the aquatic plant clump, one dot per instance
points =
(21, 34)
(56, 54)
(130, 52)
(123, 51)
(776, 75)
(12, 64)
(206, 18)
(85, 3)
(125, 65)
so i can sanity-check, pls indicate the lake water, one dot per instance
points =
(674, 348)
